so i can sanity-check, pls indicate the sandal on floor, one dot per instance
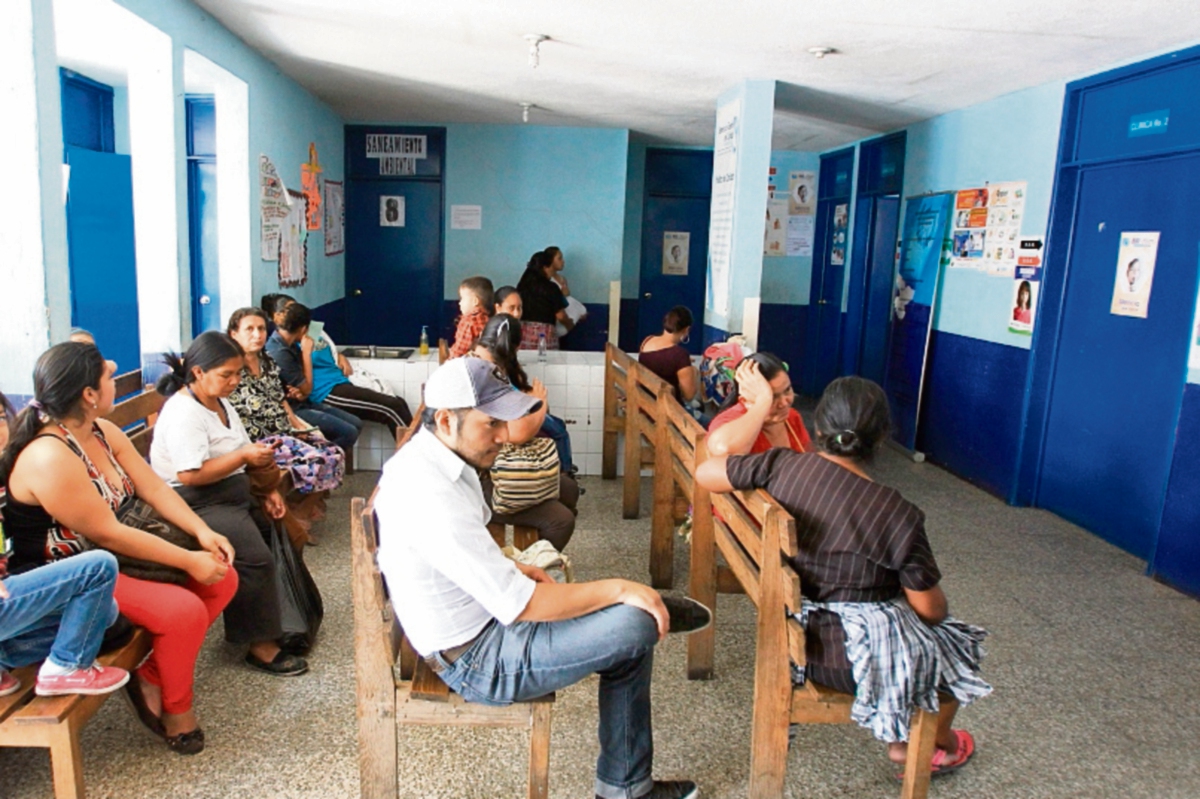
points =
(137, 701)
(944, 763)
(187, 743)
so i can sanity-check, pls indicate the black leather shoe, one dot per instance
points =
(187, 743)
(687, 615)
(283, 665)
(137, 700)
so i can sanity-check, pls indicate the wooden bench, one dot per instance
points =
(757, 537)
(396, 687)
(136, 416)
(625, 378)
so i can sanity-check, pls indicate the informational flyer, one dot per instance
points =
(1028, 282)
(1006, 209)
(335, 217)
(841, 226)
(800, 232)
(274, 204)
(466, 217)
(720, 223)
(293, 244)
(802, 193)
(310, 184)
(676, 248)
(775, 240)
(1135, 273)
(391, 211)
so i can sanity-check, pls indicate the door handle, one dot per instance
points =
(205, 299)
(646, 295)
(358, 292)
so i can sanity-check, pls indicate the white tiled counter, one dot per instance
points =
(574, 389)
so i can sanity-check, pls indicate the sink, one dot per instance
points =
(388, 353)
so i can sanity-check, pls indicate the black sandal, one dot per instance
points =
(187, 743)
(282, 665)
(137, 700)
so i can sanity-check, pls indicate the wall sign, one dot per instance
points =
(1150, 124)
(1028, 276)
(398, 153)
(391, 211)
(1135, 273)
(676, 245)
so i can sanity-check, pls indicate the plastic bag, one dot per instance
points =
(300, 604)
(718, 366)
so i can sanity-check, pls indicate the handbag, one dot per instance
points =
(136, 513)
(525, 475)
(301, 609)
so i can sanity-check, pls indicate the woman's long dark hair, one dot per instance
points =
(769, 365)
(535, 273)
(272, 303)
(852, 418)
(59, 378)
(501, 337)
(210, 349)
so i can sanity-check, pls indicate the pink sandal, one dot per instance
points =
(945, 763)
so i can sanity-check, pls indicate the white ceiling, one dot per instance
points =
(657, 66)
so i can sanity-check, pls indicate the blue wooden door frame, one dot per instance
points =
(825, 294)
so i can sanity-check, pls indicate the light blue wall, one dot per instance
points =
(284, 118)
(786, 280)
(750, 198)
(1014, 137)
(539, 186)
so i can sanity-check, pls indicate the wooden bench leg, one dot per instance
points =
(922, 736)
(539, 751)
(524, 537)
(702, 578)
(66, 760)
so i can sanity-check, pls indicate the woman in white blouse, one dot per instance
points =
(201, 448)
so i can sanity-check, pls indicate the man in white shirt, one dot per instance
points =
(497, 631)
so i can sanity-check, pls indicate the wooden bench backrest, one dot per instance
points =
(443, 351)
(128, 383)
(136, 416)
(616, 365)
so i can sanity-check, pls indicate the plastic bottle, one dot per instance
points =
(424, 349)
(542, 347)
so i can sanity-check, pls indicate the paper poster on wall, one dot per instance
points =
(676, 248)
(802, 193)
(800, 230)
(391, 211)
(776, 235)
(720, 223)
(1135, 273)
(841, 223)
(335, 218)
(293, 243)
(310, 184)
(274, 205)
(1028, 276)
(466, 217)
(1006, 209)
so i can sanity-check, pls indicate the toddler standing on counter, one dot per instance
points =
(476, 298)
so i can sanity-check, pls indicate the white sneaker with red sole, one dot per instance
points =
(96, 680)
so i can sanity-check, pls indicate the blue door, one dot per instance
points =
(100, 245)
(1118, 381)
(869, 297)
(207, 313)
(393, 273)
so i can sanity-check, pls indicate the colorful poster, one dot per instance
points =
(1135, 273)
(310, 184)
(924, 247)
(676, 249)
(293, 244)
(1026, 286)
(335, 218)
(274, 204)
(802, 193)
(1006, 208)
(774, 242)
(841, 224)
(391, 211)
(720, 224)
(800, 230)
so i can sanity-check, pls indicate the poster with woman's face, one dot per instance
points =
(391, 211)
(1135, 273)
(802, 193)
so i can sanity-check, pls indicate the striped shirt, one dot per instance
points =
(859, 541)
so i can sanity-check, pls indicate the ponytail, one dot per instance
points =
(501, 337)
(210, 349)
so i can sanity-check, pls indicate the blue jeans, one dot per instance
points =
(59, 610)
(556, 430)
(526, 660)
(338, 426)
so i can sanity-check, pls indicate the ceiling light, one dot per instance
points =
(525, 111)
(821, 52)
(535, 40)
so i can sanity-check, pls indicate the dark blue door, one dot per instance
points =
(880, 274)
(662, 292)
(207, 313)
(100, 244)
(1118, 381)
(393, 273)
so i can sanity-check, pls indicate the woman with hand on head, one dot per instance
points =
(758, 413)
(877, 620)
(201, 448)
(68, 471)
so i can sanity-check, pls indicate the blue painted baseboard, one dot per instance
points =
(970, 419)
(781, 330)
(713, 335)
(1176, 559)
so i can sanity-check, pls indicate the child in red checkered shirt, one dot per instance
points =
(476, 298)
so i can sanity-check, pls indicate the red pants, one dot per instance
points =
(177, 618)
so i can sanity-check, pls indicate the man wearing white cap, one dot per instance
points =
(497, 631)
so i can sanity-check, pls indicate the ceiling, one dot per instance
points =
(656, 67)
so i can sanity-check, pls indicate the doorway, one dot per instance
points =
(675, 217)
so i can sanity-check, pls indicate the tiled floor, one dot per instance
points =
(1094, 665)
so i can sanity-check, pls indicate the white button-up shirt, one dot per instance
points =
(446, 576)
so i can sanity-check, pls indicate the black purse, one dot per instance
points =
(136, 513)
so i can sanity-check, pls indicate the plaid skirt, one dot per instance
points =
(900, 662)
(529, 335)
(314, 465)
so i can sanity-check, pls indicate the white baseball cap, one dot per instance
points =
(475, 383)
